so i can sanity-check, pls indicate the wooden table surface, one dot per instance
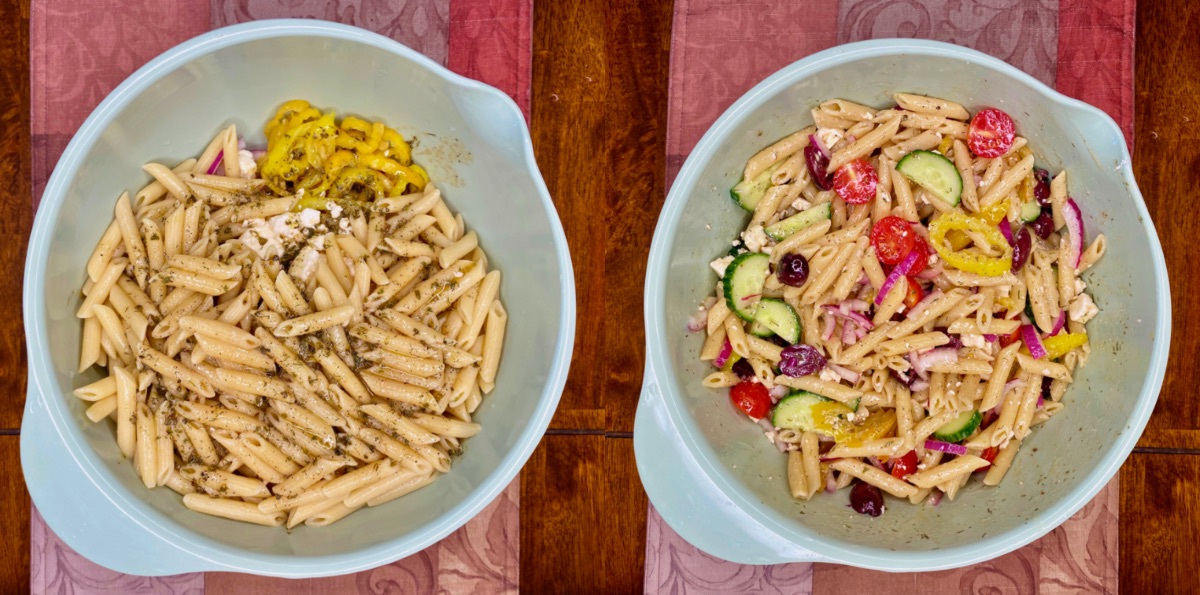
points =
(599, 107)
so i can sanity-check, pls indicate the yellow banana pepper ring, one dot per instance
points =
(1062, 343)
(970, 260)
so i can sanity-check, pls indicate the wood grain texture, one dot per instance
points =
(16, 209)
(1160, 523)
(599, 131)
(583, 517)
(14, 520)
(1165, 162)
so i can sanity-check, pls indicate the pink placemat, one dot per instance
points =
(79, 51)
(719, 50)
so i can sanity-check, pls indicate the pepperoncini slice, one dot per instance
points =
(994, 213)
(971, 260)
(1062, 343)
(944, 147)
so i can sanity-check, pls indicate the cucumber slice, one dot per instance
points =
(934, 173)
(743, 283)
(759, 329)
(794, 412)
(1030, 211)
(799, 221)
(747, 193)
(777, 317)
(959, 428)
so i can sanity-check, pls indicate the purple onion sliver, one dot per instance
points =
(990, 338)
(901, 270)
(723, 357)
(919, 385)
(1032, 341)
(1006, 231)
(212, 169)
(946, 447)
(1059, 323)
(1074, 221)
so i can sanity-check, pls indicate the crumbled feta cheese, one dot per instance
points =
(829, 136)
(246, 164)
(829, 375)
(1082, 309)
(309, 218)
(344, 226)
(335, 210)
(1079, 286)
(755, 238)
(719, 265)
(801, 205)
(970, 340)
(305, 263)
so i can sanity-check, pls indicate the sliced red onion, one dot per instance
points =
(946, 447)
(1011, 385)
(781, 446)
(876, 463)
(845, 312)
(778, 391)
(856, 305)
(848, 336)
(1059, 324)
(765, 424)
(846, 373)
(1041, 402)
(935, 497)
(901, 270)
(1006, 231)
(941, 355)
(930, 273)
(212, 169)
(830, 459)
(1074, 220)
(863, 280)
(697, 322)
(1032, 341)
(990, 338)
(816, 142)
(827, 334)
(921, 305)
(919, 385)
(723, 357)
(830, 482)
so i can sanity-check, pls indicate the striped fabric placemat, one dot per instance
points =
(79, 51)
(719, 51)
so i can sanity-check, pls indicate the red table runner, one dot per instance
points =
(719, 51)
(79, 51)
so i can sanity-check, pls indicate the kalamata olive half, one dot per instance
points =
(743, 369)
(866, 499)
(1041, 190)
(801, 360)
(792, 270)
(818, 165)
(1021, 248)
(1043, 226)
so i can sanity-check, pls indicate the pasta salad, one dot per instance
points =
(294, 333)
(904, 304)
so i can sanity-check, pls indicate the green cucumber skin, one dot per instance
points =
(729, 281)
(1030, 211)
(747, 193)
(778, 318)
(810, 216)
(794, 412)
(759, 329)
(911, 166)
(957, 429)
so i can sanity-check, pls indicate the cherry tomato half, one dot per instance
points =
(752, 398)
(893, 239)
(922, 263)
(989, 455)
(1009, 339)
(915, 294)
(855, 182)
(991, 133)
(905, 465)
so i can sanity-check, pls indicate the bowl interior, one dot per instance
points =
(1061, 453)
(472, 145)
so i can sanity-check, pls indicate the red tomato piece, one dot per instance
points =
(905, 465)
(855, 182)
(1009, 339)
(893, 239)
(922, 262)
(989, 455)
(991, 133)
(915, 294)
(752, 398)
